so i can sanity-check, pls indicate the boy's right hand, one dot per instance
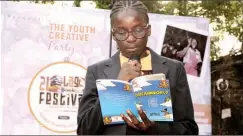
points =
(130, 70)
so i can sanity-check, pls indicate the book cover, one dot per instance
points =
(150, 92)
(115, 98)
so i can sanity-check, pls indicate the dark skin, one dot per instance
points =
(129, 70)
(129, 20)
(131, 46)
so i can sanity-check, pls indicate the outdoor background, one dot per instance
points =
(226, 34)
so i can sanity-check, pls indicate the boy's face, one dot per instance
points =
(129, 21)
(194, 43)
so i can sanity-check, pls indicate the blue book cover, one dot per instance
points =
(150, 92)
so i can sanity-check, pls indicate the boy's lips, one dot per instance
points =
(132, 49)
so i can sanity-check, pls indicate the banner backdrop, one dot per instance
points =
(43, 45)
(38, 43)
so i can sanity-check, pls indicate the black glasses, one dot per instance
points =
(138, 32)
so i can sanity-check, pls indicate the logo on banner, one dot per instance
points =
(54, 96)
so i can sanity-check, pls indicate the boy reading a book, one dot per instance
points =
(131, 29)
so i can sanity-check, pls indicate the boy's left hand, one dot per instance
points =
(135, 123)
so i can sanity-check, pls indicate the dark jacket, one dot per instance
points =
(89, 114)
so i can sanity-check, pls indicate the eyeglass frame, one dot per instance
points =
(145, 29)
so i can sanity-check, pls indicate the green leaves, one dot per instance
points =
(76, 3)
(103, 4)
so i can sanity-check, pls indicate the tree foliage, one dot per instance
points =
(225, 14)
(76, 3)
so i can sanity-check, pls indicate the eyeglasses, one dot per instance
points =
(138, 32)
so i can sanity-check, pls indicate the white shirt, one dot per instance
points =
(190, 53)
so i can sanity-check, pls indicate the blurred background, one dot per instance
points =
(226, 34)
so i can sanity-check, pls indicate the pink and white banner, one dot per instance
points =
(38, 43)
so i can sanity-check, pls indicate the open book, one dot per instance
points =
(150, 92)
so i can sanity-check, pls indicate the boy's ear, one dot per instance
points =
(113, 37)
(149, 30)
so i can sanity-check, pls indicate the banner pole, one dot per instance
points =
(111, 5)
(110, 43)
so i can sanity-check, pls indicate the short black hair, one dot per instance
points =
(124, 5)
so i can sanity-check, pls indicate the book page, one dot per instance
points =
(160, 76)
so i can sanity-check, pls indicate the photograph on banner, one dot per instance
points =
(185, 46)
